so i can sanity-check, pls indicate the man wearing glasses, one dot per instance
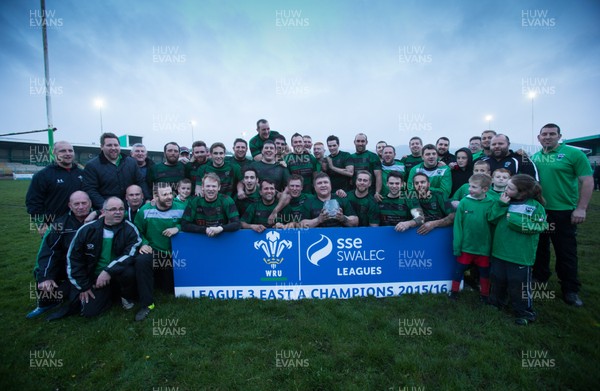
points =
(101, 257)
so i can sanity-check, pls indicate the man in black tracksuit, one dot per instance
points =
(502, 157)
(101, 254)
(111, 173)
(52, 285)
(48, 194)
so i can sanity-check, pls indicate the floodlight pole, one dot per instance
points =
(47, 81)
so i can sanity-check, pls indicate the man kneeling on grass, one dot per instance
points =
(157, 224)
(101, 258)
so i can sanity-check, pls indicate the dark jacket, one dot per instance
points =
(48, 196)
(513, 162)
(86, 249)
(52, 257)
(461, 176)
(102, 179)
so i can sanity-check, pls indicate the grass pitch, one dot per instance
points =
(409, 342)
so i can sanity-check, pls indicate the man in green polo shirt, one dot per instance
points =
(567, 185)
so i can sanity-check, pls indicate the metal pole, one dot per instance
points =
(47, 81)
(532, 136)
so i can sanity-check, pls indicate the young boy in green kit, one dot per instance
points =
(472, 235)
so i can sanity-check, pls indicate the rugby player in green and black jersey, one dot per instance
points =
(362, 202)
(257, 215)
(316, 212)
(437, 209)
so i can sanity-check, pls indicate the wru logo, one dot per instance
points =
(273, 248)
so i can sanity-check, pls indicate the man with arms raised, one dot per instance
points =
(567, 185)
(48, 194)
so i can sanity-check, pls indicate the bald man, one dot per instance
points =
(52, 285)
(50, 188)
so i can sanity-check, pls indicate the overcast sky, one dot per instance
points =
(391, 69)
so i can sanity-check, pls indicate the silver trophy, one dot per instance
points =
(331, 206)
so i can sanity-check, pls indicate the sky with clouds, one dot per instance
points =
(390, 69)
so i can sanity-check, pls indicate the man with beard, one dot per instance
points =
(362, 202)
(319, 211)
(389, 164)
(240, 149)
(379, 149)
(157, 224)
(339, 165)
(443, 149)
(264, 133)
(111, 173)
(416, 145)
(102, 255)
(437, 210)
(140, 155)
(502, 157)
(257, 215)
(170, 171)
(440, 178)
(567, 186)
(363, 159)
(52, 285)
(302, 163)
(250, 193)
(228, 173)
(213, 213)
(268, 168)
(486, 143)
(199, 158)
(48, 194)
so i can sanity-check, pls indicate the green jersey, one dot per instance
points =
(366, 209)
(229, 174)
(256, 143)
(242, 164)
(397, 166)
(463, 191)
(294, 211)
(151, 222)
(211, 214)
(258, 213)
(339, 181)
(518, 227)
(472, 232)
(166, 174)
(409, 162)
(192, 170)
(305, 165)
(274, 172)
(559, 171)
(242, 205)
(440, 178)
(314, 206)
(368, 161)
(394, 210)
(436, 207)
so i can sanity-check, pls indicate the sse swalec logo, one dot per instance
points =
(319, 250)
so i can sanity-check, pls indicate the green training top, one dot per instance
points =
(559, 171)
(472, 232)
(151, 223)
